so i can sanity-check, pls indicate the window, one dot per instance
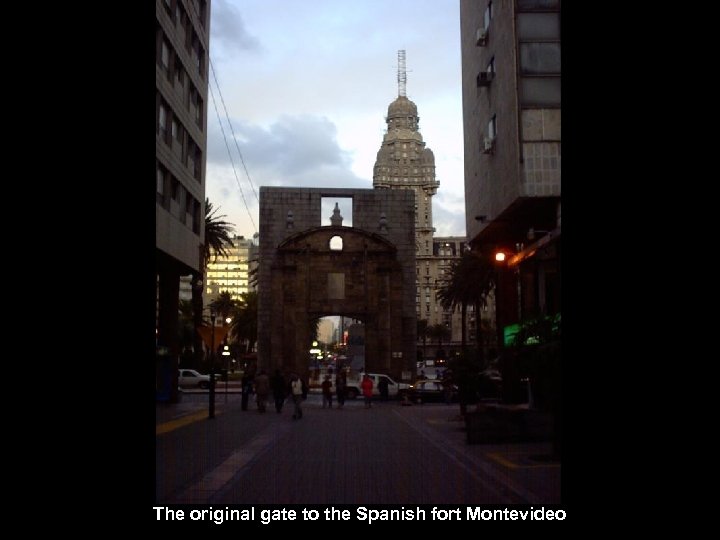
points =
(198, 109)
(174, 128)
(540, 58)
(179, 74)
(165, 54)
(491, 66)
(492, 127)
(488, 15)
(336, 243)
(197, 172)
(160, 181)
(174, 189)
(162, 119)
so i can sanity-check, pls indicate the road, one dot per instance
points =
(388, 454)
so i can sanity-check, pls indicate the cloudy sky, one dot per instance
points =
(306, 87)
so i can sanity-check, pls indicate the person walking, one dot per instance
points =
(247, 386)
(279, 390)
(327, 392)
(448, 384)
(296, 389)
(383, 388)
(340, 385)
(367, 387)
(262, 390)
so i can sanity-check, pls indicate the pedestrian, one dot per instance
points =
(296, 389)
(367, 388)
(262, 390)
(327, 392)
(279, 390)
(448, 383)
(340, 385)
(383, 388)
(247, 386)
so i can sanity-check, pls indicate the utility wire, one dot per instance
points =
(227, 116)
(237, 180)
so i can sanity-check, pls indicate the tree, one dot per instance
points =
(224, 305)
(439, 332)
(472, 277)
(217, 240)
(217, 234)
(186, 330)
(244, 324)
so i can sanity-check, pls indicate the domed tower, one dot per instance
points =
(403, 161)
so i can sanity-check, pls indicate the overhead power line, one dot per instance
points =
(237, 180)
(227, 146)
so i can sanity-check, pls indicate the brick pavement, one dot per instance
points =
(389, 454)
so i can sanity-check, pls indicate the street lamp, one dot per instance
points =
(226, 354)
(501, 290)
(212, 364)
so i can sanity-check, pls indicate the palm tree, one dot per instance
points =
(186, 330)
(472, 277)
(439, 332)
(217, 239)
(217, 234)
(224, 305)
(244, 324)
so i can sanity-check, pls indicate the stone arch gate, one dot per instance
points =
(307, 271)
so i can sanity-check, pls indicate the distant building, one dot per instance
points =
(231, 272)
(404, 162)
(326, 331)
(181, 68)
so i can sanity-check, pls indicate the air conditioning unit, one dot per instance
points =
(488, 145)
(484, 78)
(480, 37)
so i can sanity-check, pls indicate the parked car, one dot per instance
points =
(425, 391)
(353, 388)
(189, 378)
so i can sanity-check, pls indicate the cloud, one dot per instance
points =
(294, 146)
(294, 151)
(229, 34)
(448, 214)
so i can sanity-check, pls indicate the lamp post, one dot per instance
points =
(500, 262)
(226, 354)
(212, 365)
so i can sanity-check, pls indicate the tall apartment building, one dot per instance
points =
(511, 75)
(182, 30)
(404, 162)
(231, 272)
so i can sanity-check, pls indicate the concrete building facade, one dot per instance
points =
(230, 272)
(511, 73)
(182, 30)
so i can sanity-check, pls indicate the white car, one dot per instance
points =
(354, 388)
(189, 378)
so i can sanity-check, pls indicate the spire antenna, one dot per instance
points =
(401, 74)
